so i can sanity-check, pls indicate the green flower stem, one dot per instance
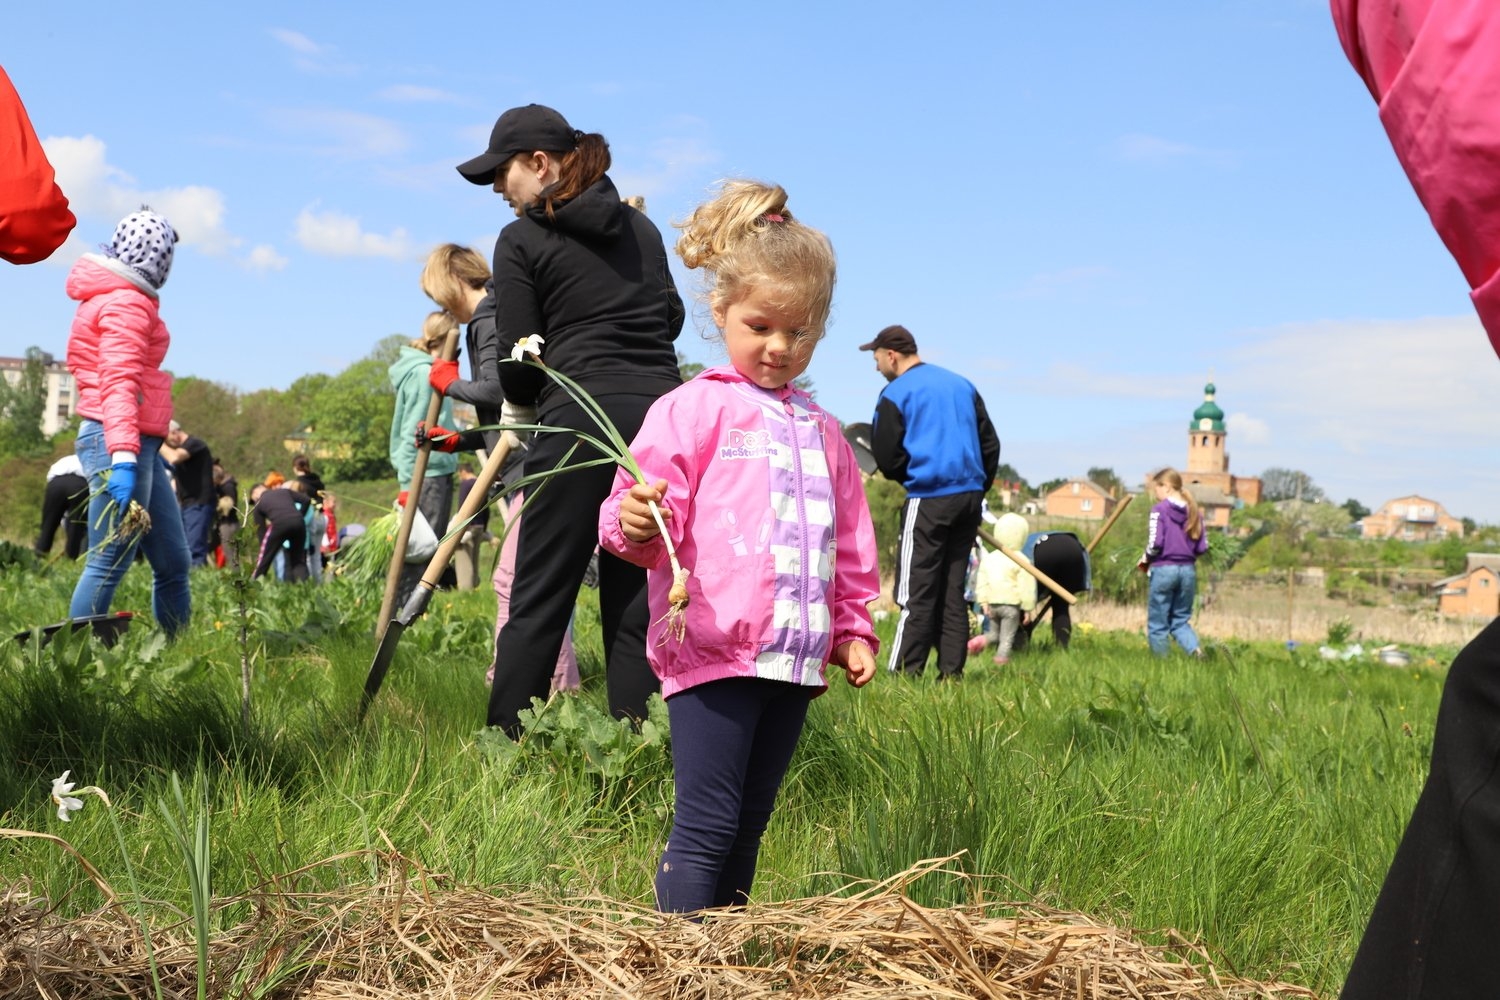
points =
(619, 450)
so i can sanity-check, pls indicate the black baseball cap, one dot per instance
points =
(894, 338)
(520, 130)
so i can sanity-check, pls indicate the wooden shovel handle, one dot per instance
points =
(413, 492)
(1025, 564)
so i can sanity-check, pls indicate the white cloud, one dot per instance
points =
(662, 165)
(1369, 409)
(296, 41)
(335, 235)
(1049, 284)
(1249, 430)
(408, 93)
(1138, 147)
(103, 193)
(1085, 383)
(1370, 386)
(1376, 408)
(264, 257)
(310, 56)
(344, 134)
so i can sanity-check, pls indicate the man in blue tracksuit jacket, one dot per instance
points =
(931, 434)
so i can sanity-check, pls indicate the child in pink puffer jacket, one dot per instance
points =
(115, 353)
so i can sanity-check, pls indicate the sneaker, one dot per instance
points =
(1001, 661)
(976, 645)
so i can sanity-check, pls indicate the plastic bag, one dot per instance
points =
(422, 543)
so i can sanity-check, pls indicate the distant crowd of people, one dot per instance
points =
(295, 519)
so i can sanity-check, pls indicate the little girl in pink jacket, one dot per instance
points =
(766, 508)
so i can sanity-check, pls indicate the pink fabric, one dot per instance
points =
(1433, 66)
(115, 353)
(34, 215)
(699, 439)
(565, 675)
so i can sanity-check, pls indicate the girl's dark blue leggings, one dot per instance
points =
(732, 741)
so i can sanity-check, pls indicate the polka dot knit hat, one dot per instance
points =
(143, 240)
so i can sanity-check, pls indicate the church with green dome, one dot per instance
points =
(1208, 417)
(1207, 474)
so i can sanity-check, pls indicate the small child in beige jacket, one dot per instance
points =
(1006, 590)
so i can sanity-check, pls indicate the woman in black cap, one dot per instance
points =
(589, 275)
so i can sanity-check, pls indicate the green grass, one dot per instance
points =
(1253, 800)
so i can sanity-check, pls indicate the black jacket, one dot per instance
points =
(594, 283)
(482, 389)
(279, 505)
(312, 485)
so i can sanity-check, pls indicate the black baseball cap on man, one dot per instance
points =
(893, 338)
(520, 130)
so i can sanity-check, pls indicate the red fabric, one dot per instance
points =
(34, 214)
(437, 438)
(442, 374)
(401, 499)
(1433, 66)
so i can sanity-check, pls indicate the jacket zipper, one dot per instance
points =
(800, 664)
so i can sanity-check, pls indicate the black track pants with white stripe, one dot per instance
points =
(932, 560)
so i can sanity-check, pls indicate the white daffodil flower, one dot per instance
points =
(531, 345)
(66, 802)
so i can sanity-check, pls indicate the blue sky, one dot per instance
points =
(1088, 209)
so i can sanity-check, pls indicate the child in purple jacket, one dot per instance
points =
(1174, 541)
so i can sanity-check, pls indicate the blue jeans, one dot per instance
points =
(164, 546)
(197, 522)
(1170, 607)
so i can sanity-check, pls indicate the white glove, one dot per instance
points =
(513, 413)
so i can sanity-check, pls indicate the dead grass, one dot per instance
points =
(413, 935)
(1255, 612)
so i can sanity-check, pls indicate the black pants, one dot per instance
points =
(65, 502)
(932, 562)
(556, 537)
(1062, 557)
(1437, 915)
(296, 555)
(1062, 623)
(732, 741)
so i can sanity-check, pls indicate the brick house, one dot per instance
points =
(1474, 593)
(1082, 499)
(1411, 518)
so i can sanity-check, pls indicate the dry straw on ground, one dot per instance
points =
(413, 935)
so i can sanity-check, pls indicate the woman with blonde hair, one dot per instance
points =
(1174, 540)
(458, 279)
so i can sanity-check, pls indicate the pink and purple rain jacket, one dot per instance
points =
(1433, 66)
(768, 516)
(115, 351)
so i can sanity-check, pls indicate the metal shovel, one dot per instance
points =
(479, 495)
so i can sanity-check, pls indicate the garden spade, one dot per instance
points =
(479, 495)
(409, 512)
